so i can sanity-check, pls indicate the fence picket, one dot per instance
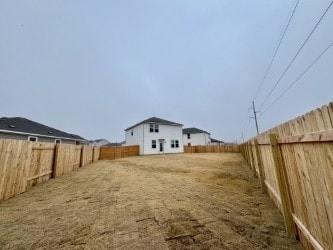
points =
(305, 150)
(24, 164)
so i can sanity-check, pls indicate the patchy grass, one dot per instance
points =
(185, 201)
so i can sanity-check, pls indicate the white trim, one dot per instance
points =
(174, 143)
(55, 141)
(23, 133)
(35, 137)
(152, 144)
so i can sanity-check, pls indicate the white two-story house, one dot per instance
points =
(156, 136)
(195, 137)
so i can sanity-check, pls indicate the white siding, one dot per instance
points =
(216, 143)
(136, 138)
(143, 137)
(197, 139)
(166, 133)
(101, 143)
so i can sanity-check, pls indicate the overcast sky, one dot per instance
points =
(96, 67)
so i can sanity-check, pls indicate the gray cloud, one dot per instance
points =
(96, 67)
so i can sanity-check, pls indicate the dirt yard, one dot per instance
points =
(186, 201)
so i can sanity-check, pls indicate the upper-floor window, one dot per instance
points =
(57, 141)
(32, 138)
(153, 128)
(174, 144)
(188, 136)
(132, 133)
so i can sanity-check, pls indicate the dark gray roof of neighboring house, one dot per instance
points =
(112, 144)
(155, 120)
(23, 125)
(99, 140)
(194, 131)
(214, 140)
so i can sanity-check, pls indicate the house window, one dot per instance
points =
(153, 128)
(32, 138)
(132, 133)
(153, 144)
(57, 141)
(174, 144)
(188, 144)
(188, 136)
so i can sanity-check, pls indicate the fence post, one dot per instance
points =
(93, 154)
(252, 160)
(260, 167)
(82, 156)
(247, 153)
(55, 160)
(281, 176)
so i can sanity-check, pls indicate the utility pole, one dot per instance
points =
(255, 117)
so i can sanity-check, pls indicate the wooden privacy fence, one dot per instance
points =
(25, 164)
(294, 162)
(111, 153)
(212, 149)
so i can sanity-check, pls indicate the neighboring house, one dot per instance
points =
(195, 137)
(23, 129)
(91, 143)
(230, 143)
(156, 136)
(216, 142)
(99, 142)
(113, 144)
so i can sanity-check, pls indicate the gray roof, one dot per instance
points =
(215, 140)
(23, 125)
(99, 140)
(112, 144)
(156, 120)
(194, 131)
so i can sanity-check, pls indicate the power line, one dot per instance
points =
(300, 76)
(255, 117)
(247, 127)
(294, 58)
(275, 52)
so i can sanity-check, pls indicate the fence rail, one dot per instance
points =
(294, 162)
(212, 149)
(25, 164)
(111, 153)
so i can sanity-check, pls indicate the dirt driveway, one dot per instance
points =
(185, 201)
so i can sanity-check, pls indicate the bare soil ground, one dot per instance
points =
(185, 201)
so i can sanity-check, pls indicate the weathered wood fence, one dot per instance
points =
(212, 149)
(294, 162)
(24, 164)
(111, 153)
